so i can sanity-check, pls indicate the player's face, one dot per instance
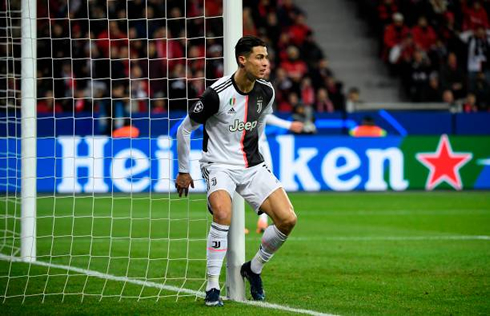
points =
(257, 62)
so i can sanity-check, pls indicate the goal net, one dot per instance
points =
(113, 81)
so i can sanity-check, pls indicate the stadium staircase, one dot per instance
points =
(352, 52)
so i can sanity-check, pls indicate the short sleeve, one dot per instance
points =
(269, 109)
(207, 106)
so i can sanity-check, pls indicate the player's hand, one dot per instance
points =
(296, 127)
(182, 183)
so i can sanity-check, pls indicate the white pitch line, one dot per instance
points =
(392, 212)
(158, 285)
(389, 238)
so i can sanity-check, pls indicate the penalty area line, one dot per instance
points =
(111, 277)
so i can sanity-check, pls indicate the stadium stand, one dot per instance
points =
(439, 48)
(137, 61)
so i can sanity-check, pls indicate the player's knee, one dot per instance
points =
(291, 220)
(288, 222)
(221, 214)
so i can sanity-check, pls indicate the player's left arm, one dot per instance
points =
(271, 119)
(294, 126)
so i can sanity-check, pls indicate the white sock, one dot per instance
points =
(272, 240)
(216, 252)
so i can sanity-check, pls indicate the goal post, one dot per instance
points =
(235, 287)
(28, 131)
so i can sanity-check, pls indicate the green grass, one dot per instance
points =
(350, 254)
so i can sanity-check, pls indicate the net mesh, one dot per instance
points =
(109, 224)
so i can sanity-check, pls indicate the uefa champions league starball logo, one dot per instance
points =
(198, 107)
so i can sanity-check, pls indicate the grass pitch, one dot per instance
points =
(350, 254)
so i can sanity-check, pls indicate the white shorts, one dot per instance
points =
(254, 184)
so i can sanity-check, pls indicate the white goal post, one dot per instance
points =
(86, 234)
(232, 10)
(28, 131)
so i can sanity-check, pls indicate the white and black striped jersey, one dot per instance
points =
(233, 121)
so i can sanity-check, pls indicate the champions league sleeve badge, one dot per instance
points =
(198, 107)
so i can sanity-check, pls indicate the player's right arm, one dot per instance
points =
(203, 109)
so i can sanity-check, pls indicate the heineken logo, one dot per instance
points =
(444, 165)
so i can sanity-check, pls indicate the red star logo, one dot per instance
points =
(444, 165)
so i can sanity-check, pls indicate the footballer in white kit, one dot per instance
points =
(233, 111)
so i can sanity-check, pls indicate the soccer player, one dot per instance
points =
(233, 111)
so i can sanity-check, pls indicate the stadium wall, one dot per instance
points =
(303, 163)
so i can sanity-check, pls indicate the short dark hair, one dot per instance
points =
(245, 46)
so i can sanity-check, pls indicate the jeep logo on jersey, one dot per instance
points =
(240, 126)
(198, 107)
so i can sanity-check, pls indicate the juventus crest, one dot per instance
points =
(260, 100)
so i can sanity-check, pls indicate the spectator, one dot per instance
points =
(394, 34)
(139, 90)
(469, 104)
(294, 104)
(424, 35)
(295, 67)
(482, 91)
(323, 102)
(284, 86)
(299, 30)
(334, 89)
(307, 92)
(418, 75)
(248, 23)
(158, 104)
(478, 43)
(287, 12)
(273, 28)
(452, 76)
(48, 105)
(448, 98)
(433, 91)
(320, 73)
(475, 17)
(312, 53)
(126, 131)
(353, 100)
(367, 128)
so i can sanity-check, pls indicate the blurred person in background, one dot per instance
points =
(478, 44)
(469, 104)
(353, 100)
(452, 76)
(367, 128)
(448, 98)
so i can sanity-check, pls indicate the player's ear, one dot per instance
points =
(241, 61)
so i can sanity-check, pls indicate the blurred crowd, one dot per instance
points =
(440, 49)
(300, 71)
(115, 58)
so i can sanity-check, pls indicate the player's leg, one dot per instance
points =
(279, 208)
(220, 188)
(264, 192)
